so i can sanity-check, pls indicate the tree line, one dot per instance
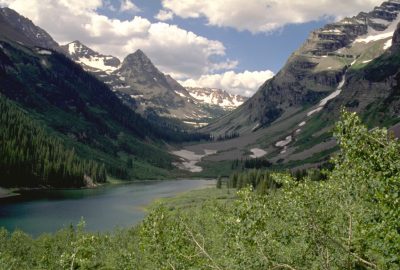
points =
(30, 156)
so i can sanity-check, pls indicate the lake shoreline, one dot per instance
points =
(116, 205)
(14, 191)
(7, 193)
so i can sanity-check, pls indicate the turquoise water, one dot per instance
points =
(103, 209)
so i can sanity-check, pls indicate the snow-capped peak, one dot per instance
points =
(91, 59)
(216, 97)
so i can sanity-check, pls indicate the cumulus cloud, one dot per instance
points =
(173, 49)
(127, 5)
(265, 15)
(164, 15)
(245, 83)
(178, 52)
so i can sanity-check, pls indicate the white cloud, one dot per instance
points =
(265, 15)
(179, 52)
(127, 5)
(172, 49)
(245, 83)
(164, 15)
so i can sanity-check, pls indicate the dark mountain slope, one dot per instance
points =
(82, 111)
(14, 27)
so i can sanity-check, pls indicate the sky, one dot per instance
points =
(235, 45)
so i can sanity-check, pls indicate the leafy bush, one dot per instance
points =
(350, 220)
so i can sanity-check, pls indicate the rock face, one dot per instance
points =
(316, 69)
(216, 97)
(16, 28)
(154, 90)
(353, 64)
(140, 85)
(90, 59)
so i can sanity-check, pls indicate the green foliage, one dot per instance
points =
(259, 180)
(29, 156)
(79, 112)
(350, 220)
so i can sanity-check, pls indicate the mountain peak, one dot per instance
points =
(77, 42)
(15, 27)
(139, 52)
(217, 97)
(90, 59)
(138, 55)
(138, 59)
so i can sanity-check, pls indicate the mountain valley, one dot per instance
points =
(170, 158)
(141, 86)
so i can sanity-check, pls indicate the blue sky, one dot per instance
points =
(231, 44)
(254, 51)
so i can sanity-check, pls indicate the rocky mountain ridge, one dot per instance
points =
(141, 86)
(89, 58)
(316, 69)
(16, 28)
(353, 64)
(216, 97)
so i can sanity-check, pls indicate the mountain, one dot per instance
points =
(14, 27)
(141, 86)
(90, 59)
(316, 69)
(60, 126)
(154, 91)
(353, 63)
(216, 97)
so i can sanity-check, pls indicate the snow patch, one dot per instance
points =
(189, 159)
(257, 153)
(71, 48)
(256, 126)
(302, 124)
(136, 96)
(337, 31)
(314, 111)
(374, 35)
(366, 61)
(44, 52)
(387, 44)
(285, 142)
(96, 63)
(195, 124)
(216, 97)
(179, 94)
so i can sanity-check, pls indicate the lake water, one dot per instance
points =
(103, 209)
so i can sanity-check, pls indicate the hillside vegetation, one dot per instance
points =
(348, 221)
(53, 111)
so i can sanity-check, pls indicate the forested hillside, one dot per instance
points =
(347, 219)
(29, 156)
(85, 119)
